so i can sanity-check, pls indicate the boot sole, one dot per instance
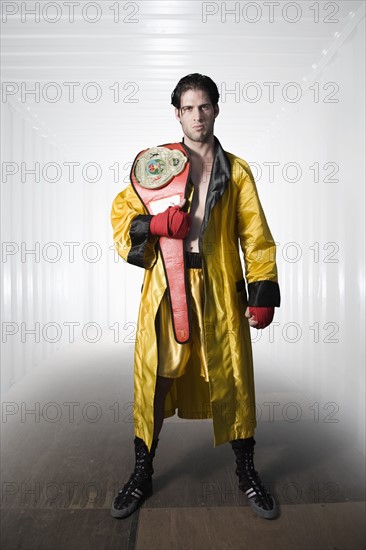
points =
(126, 512)
(265, 514)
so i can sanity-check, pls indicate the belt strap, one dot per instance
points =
(172, 250)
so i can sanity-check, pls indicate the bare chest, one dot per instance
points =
(200, 177)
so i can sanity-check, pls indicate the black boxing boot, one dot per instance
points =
(261, 502)
(139, 486)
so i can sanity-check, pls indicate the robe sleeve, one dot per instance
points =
(257, 244)
(131, 236)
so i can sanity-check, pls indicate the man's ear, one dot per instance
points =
(216, 110)
(177, 116)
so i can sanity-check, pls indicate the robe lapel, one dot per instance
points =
(220, 176)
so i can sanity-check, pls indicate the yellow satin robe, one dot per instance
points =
(234, 220)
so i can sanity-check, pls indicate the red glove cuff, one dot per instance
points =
(173, 222)
(159, 224)
(264, 315)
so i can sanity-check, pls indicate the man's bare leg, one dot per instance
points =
(139, 486)
(163, 385)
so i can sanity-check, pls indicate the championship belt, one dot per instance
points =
(159, 176)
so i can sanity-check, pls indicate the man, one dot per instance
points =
(193, 350)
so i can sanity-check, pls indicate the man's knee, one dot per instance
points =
(163, 385)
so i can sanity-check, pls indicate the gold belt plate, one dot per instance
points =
(158, 166)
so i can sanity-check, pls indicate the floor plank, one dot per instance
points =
(339, 526)
(65, 529)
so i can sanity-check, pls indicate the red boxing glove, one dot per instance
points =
(173, 222)
(264, 315)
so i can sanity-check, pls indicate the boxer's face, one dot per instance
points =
(197, 115)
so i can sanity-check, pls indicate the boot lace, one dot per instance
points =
(139, 483)
(250, 482)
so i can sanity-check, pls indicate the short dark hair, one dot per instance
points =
(195, 81)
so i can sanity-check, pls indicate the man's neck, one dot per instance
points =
(202, 149)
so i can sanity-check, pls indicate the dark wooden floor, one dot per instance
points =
(67, 436)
